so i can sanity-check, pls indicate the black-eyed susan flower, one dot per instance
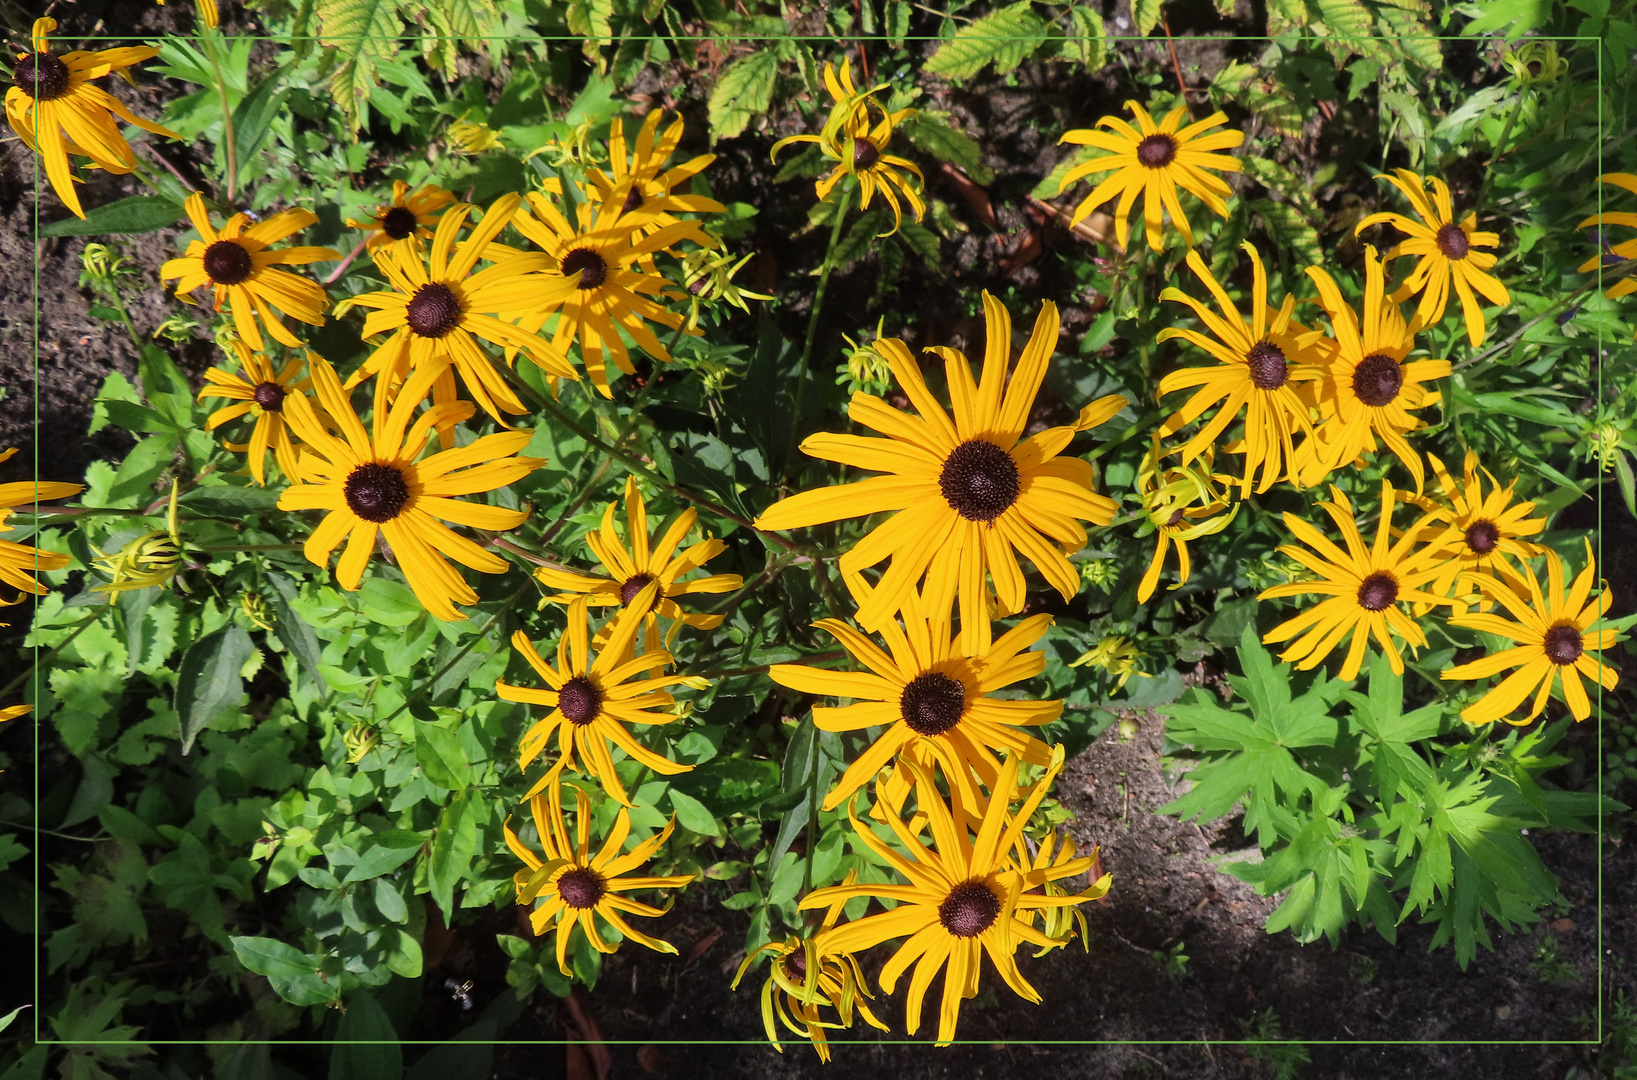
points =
(151, 560)
(1057, 923)
(791, 998)
(931, 690)
(1447, 253)
(1477, 530)
(257, 392)
(1369, 388)
(708, 278)
(437, 311)
(1154, 160)
(970, 491)
(1262, 366)
(19, 562)
(855, 136)
(1554, 636)
(641, 559)
(641, 185)
(1535, 63)
(570, 886)
(373, 487)
(1610, 252)
(1183, 503)
(408, 218)
(1365, 586)
(592, 699)
(966, 896)
(242, 269)
(54, 109)
(595, 284)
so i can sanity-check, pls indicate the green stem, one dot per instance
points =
(51, 654)
(813, 322)
(1127, 435)
(1500, 150)
(1499, 347)
(812, 810)
(212, 39)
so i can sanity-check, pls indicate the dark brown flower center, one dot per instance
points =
(398, 222)
(1452, 241)
(591, 267)
(580, 700)
(1482, 536)
(227, 262)
(969, 909)
(1268, 368)
(1377, 380)
(979, 480)
(581, 887)
(1534, 67)
(633, 585)
(269, 395)
(41, 76)
(633, 199)
(1377, 592)
(795, 965)
(376, 492)
(1157, 151)
(433, 311)
(1563, 644)
(932, 703)
(865, 154)
(1177, 518)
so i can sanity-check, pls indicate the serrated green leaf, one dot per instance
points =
(1146, 14)
(1288, 228)
(361, 34)
(931, 134)
(1411, 37)
(1088, 40)
(743, 90)
(1002, 38)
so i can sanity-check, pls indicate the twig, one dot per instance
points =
(1176, 65)
(342, 269)
(170, 168)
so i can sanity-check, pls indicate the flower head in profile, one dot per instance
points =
(1535, 63)
(971, 493)
(408, 219)
(375, 485)
(570, 886)
(707, 276)
(641, 559)
(593, 699)
(794, 1000)
(1154, 160)
(1478, 530)
(242, 269)
(1365, 584)
(1117, 655)
(1183, 503)
(1554, 638)
(19, 562)
(437, 311)
(965, 895)
(1614, 253)
(1262, 366)
(1370, 388)
(54, 109)
(147, 561)
(257, 391)
(1446, 251)
(855, 137)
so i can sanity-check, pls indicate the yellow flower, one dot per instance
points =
(857, 144)
(242, 269)
(1182, 504)
(54, 109)
(573, 885)
(795, 999)
(373, 487)
(708, 276)
(150, 560)
(19, 562)
(260, 393)
(1369, 389)
(12, 712)
(437, 310)
(642, 560)
(641, 186)
(930, 691)
(966, 896)
(1153, 161)
(1058, 923)
(1448, 254)
(595, 284)
(1554, 639)
(1365, 585)
(409, 218)
(1481, 529)
(1535, 63)
(1611, 253)
(471, 137)
(1115, 655)
(971, 490)
(1262, 367)
(592, 701)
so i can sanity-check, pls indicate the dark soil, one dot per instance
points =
(1166, 891)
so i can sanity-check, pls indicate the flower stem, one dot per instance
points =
(1500, 151)
(812, 809)
(212, 39)
(813, 322)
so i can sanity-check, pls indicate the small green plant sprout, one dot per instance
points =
(1264, 1042)
(1172, 959)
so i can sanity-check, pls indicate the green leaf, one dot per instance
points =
(137, 214)
(453, 846)
(1002, 38)
(6, 1020)
(391, 850)
(404, 958)
(441, 757)
(141, 467)
(693, 814)
(1087, 38)
(362, 34)
(1288, 228)
(292, 973)
(366, 1045)
(743, 90)
(292, 629)
(929, 133)
(1146, 14)
(254, 117)
(469, 1057)
(228, 501)
(389, 901)
(136, 417)
(208, 682)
